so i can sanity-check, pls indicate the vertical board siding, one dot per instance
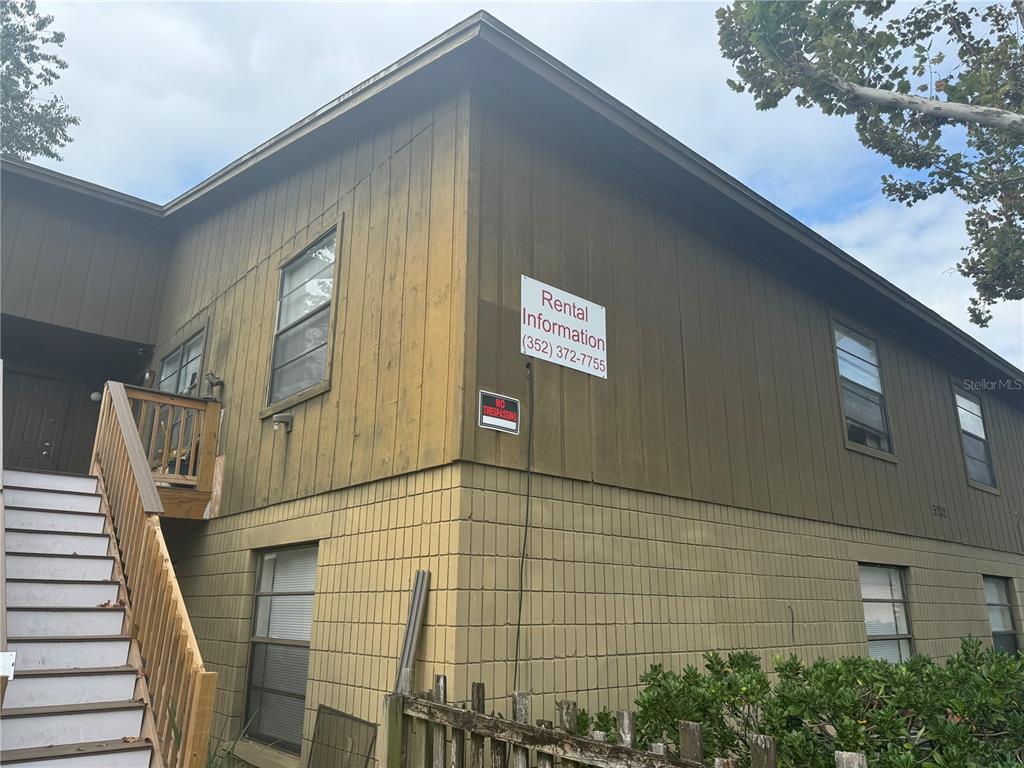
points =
(399, 190)
(79, 264)
(722, 377)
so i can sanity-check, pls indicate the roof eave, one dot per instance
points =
(72, 184)
(527, 54)
(440, 46)
(484, 27)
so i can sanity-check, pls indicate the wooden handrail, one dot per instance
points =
(181, 690)
(179, 436)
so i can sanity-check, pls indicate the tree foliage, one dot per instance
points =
(965, 713)
(937, 87)
(30, 126)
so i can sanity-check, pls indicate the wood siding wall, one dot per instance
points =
(394, 404)
(79, 263)
(722, 382)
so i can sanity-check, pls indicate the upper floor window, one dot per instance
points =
(279, 661)
(1000, 613)
(864, 409)
(977, 452)
(886, 618)
(179, 371)
(303, 320)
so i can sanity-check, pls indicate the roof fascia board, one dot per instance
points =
(422, 57)
(526, 53)
(70, 183)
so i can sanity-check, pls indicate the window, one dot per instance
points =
(860, 379)
(885, 612)
(977, 452)
(1000, 616)
(303, 319)
(179, 371)
(279, 662)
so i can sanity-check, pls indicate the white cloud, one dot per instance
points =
(168, 93)
(916, 248)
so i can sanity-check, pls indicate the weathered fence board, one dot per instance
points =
(512, 740)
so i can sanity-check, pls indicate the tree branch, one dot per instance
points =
(991, 117)
(1019, 5)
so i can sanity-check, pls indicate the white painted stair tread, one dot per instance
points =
(49, 543)
(124, 758)
(33, 498)
(84, 594)
(75, 756)
(34, 565)
(68, 653)
(68, 622)
(47, 726)
(50, 481)
(46, 520)
(70, 686)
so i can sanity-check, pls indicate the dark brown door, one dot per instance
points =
(33, 417)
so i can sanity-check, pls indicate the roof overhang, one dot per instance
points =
(483, 35)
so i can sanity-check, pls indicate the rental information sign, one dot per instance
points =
(562, 329)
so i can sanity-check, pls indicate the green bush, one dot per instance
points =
(965, 713)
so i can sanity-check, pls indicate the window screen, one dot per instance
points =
(860, 379)
(281, 627)
(977, 452)
(1000, 613)
(303, 320)
(886, 618)
(179, 371)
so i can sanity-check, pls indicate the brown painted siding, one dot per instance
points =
(394, 404)
(722, 383)
(79, 263)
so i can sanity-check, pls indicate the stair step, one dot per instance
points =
(34, 498)
(30, 727)
(52, 481)
(93, 754)
(51, 520)
(53, 687)
(64, 622)
(52, 543)
(24, 565)
(49, 593)
(36, 653)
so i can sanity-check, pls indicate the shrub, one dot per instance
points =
(965, 713)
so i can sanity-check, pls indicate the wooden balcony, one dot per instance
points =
(179, 437)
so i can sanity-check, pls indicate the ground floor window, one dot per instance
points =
(1000, 614)
(279, 660)
(886, 617)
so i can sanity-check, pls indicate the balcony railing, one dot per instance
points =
(179, 438)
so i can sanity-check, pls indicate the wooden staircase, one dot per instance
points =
(107, 670)
(77, 698)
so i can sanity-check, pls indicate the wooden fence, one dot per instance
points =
(181, 690)
(459, 737)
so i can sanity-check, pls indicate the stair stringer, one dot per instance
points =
(149, 731)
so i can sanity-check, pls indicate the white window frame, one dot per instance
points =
(181, 365)
(903, 600)
(1011, 633)
(863, 391)
(985, 439)
(255, 640)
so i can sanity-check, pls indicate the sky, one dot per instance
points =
(168, 93)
